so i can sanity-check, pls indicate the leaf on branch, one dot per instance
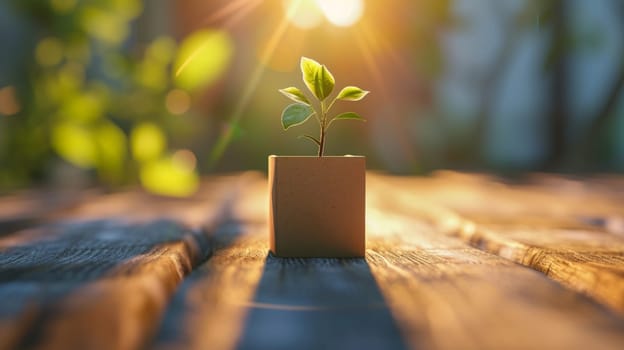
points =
(296, 114)
(295, 94)
(323, 83)
(352, 93)
(311, 138)
(309, 68)
(317, 78)
(350, 115)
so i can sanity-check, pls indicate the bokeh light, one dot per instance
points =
(9, 103)
(202, 58)
(169, 177)
(75, 143)
(63, 6)
(178, 101)
(49, 52)
(148, 142)
(185, 158)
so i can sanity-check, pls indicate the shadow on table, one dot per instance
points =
(319, 304)
(13, 225)
(38, 274)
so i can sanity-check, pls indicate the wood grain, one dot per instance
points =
(95, 282)
(568, 229)
(100, 277)
(443, 270)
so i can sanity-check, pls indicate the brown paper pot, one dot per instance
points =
(317, 206)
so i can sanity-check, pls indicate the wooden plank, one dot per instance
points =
(25, 209)
(568, 229)
(92, 286)
(201, 314)
(102, 279)
(417, 288)
(137, 206)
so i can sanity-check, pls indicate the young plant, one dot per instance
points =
(320, 82)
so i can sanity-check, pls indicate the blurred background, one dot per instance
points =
(158, 93)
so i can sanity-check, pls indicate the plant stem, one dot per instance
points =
(322, 131)
(322, 141)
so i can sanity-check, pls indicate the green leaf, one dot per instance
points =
(323, 83)
(311, 138)
(317, 78)
(296, 114)
(309, 67)
(352, 93)
(350, 115)
(295, 94)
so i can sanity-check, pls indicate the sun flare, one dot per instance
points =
(307, 14)
(342, 13)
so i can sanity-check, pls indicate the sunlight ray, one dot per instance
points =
(391, 117)
(250, 88)
(371, 35)
(245, 7)
(190, 58)
(371, 63)
(231, 9)
(236, 15)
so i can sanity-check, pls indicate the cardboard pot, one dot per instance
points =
(317, 206)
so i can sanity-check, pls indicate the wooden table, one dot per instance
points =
(453, 261)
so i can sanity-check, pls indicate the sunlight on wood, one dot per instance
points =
(197, 211)
(440, 273)
(543, 225)
(227, 284)
(433, 281)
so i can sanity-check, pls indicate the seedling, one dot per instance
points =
(320, 82)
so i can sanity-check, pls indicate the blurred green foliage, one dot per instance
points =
(89, 96)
